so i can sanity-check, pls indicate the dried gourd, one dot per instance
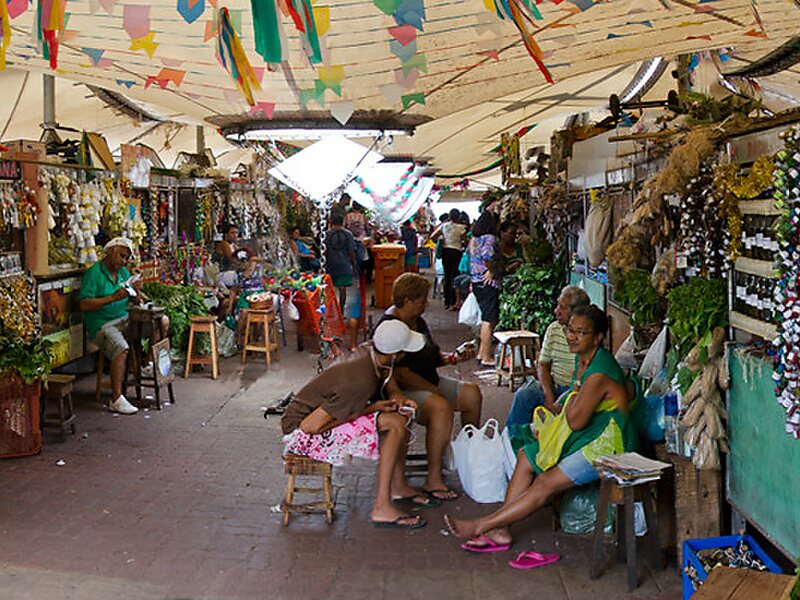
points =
(694, 413)
(692, 360)
(709, 377)
(717, 342)
(694, 391)
(723, 375)
(692, 434)
(713, 422)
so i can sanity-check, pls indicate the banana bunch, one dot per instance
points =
(703, 402)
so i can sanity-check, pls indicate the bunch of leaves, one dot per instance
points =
(635, 292)
(696, 308)
(181, 302)
(529, 296)
(30, 360)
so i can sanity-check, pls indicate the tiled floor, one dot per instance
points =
(179, 504)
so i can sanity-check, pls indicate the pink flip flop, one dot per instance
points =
(483, 545)
(531, 560)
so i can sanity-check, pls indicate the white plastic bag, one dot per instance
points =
(653, 361)
(292, 312)
(626, 354)
(479, 458)
(470, 312)
(509, 457)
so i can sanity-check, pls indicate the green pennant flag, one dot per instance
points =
(386, 6)
(409, 99)
(418, 61)
(265, 26)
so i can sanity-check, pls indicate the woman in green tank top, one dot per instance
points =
(597, 415)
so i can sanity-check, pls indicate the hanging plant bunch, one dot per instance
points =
(18, 312)
(787, 344)
(703, 235)
(558, 215)
(731, 186)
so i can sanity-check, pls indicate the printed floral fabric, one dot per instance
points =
(481, 249)
(336, 446)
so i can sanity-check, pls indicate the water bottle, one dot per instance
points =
(671, 435)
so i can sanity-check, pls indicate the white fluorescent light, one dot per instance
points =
(310, 134)
(652, 68)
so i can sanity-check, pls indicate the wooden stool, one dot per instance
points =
(203, 325)
(510, 341)
(59, 388)
(302, 466)
(102, 382)
(265, 318)
(625, 497)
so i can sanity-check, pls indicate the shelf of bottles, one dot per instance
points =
(754, 275)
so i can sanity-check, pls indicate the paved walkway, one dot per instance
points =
(179, 504)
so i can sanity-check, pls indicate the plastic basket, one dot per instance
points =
(19, 418)
(691, 547)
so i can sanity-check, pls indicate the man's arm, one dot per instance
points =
(548, 386)
(92, 304)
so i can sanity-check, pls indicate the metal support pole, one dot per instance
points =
(200, 136)
(49, 110)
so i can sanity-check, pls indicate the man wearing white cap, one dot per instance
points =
(355, 408)
(104, 296)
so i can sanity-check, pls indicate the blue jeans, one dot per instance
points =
(526, 399)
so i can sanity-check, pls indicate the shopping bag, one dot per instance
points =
(552, 432)
(470, 312)
(479, 459)
(509, 456)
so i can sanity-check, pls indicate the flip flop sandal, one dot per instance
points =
(415, 523)
(530, 560)
(418, 500)
(432, 495)
(484, 545)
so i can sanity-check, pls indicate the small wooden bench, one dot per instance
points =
(302, 466)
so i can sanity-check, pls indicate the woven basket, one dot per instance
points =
(260, 305)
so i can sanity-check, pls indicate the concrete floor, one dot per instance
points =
(180, 504)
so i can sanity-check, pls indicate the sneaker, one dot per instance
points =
(122, 406)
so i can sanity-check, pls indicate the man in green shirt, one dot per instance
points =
(556, 363)
(104, 296)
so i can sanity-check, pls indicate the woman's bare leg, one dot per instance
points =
(393, 436)
(469, 402)
(521, 480)
(535, 497)
(436, 415)
(485, 348)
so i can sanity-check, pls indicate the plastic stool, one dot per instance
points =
(295, 466)
(625, 497)
(265, 318)
(510, 341)
(59, 388)
(203, 325)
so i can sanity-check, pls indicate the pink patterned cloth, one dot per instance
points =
(336, 446)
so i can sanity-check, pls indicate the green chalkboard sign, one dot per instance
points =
(764, 462)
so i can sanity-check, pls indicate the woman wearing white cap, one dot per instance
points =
(105, 292)
(355, 408)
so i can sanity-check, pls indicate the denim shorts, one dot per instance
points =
(578, 469)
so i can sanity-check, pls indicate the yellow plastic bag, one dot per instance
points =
(552, 432)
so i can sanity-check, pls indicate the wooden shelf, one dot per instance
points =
(752, 266)
(759, 207)
(767, 331)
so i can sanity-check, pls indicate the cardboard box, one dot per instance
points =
(744, 584)
(36, 148)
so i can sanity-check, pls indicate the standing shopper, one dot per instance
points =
(340, 256)
(454, 238)
(485, 278)
(408, 235)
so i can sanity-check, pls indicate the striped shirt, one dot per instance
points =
(556, 352)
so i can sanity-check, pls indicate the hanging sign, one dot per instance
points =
(10, 169)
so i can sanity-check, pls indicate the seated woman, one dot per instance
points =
(353, 409)
(597, 415)
(437, 397)
(305, 256)
(249, 281)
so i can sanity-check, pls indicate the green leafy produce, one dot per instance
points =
(30, 360)
(530, 294)
(695, 308)
(635, 292)
(181, 302)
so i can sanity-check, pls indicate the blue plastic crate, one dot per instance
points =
(691, 547)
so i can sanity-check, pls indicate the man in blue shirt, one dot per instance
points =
(340, 256)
